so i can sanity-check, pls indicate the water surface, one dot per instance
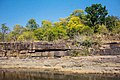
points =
(37, 75)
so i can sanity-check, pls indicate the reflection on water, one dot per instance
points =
(36, 75)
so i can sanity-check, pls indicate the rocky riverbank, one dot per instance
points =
(83, 64)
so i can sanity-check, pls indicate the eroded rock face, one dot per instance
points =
(42, 49)
(48, 49)
(111, 48)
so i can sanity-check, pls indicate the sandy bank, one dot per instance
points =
(86, 64)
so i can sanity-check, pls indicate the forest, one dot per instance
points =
(79, 25)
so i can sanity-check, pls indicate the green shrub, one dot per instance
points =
(102, 29)
(86, 30)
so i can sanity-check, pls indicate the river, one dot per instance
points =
(38, 75)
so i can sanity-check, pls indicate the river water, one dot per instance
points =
(37, 75)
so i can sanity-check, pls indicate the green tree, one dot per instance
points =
(116, 29)
(27, 36)
(4, 30)
(73, 27)
(111, 22)
(17, 31)
(60, 32)
(79, 13)
(50, 35)
(96, 14)
(46, 24)
(32, 25)
(39, 33)
(63, 21)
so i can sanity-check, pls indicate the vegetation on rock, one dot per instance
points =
(96, 21)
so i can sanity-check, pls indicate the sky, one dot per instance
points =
(14, 12)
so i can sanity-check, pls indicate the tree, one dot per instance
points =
(116, 29)
(32, 25)
(4, 30)
(78, 13)
(39, 33)
(63, 21)
(73, 27)
(50, 35)
(27, 36)
(60, 32)
(17, 31)
(46, 24)
(96, 14)
(111, 22)
(74, 22)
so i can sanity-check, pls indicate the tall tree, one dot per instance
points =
(96, 14)
(32, 25)
(4, 30)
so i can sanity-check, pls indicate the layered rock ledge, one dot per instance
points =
(83, 64)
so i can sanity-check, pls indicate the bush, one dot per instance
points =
(116, 30)
(102, 29)
(86, 30)
(49, 35)
(27, 36)
(87, 43)
(39, 34)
